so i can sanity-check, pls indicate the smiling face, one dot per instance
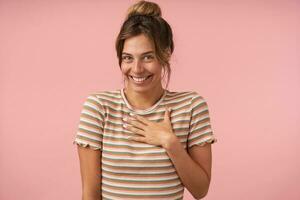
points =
(140, 66)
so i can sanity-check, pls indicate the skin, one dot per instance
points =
(193, 166)
(139, 60)
(90, 169)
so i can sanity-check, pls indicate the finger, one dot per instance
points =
(140, 118)
(138, 139)
(167, 114)
(135, 123)
(133, 129)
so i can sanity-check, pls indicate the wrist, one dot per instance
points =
(170, 141)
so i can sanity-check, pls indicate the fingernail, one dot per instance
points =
(125, 119)
(131, 114)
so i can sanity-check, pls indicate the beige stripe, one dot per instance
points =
(175, 196)
(138, 169)
(133, 163)
(141, 192)
(137, 160)
(134, 180)
(141, 186)
(141, 174)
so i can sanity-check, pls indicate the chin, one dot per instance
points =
(141, 89)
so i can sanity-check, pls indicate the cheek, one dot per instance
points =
(157, 69)
(124, 69)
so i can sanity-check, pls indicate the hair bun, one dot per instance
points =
(144, 8)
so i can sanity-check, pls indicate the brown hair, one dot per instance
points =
(144, 17)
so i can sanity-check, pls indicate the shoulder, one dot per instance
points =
(189, 95)
(192, 100)
(107, 95)
(103, 98)
(197, 97)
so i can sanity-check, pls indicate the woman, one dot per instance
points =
(144, 141)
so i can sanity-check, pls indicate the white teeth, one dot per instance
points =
(139, 79)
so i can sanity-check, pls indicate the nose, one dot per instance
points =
(137, 67)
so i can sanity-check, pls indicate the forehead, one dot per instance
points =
(137, 45)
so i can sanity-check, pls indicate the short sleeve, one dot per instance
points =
(91, 123)
(200, 131)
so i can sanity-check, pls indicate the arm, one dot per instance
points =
(90, 169)
(193, 168)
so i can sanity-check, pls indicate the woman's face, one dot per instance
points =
(140, 67)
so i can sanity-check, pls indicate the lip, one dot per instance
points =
(140, 76)
(149, 78)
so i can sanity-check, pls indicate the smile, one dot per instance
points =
(140, 79)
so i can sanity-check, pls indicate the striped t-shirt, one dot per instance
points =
(136, 170)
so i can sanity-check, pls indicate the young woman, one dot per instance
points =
(144, 141)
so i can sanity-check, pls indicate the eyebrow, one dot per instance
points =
(148, 52)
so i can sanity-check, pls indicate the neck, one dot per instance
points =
(143, 100)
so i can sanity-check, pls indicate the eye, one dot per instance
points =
(148, 57)
(126, 58)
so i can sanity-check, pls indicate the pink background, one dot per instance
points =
(242, 56)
